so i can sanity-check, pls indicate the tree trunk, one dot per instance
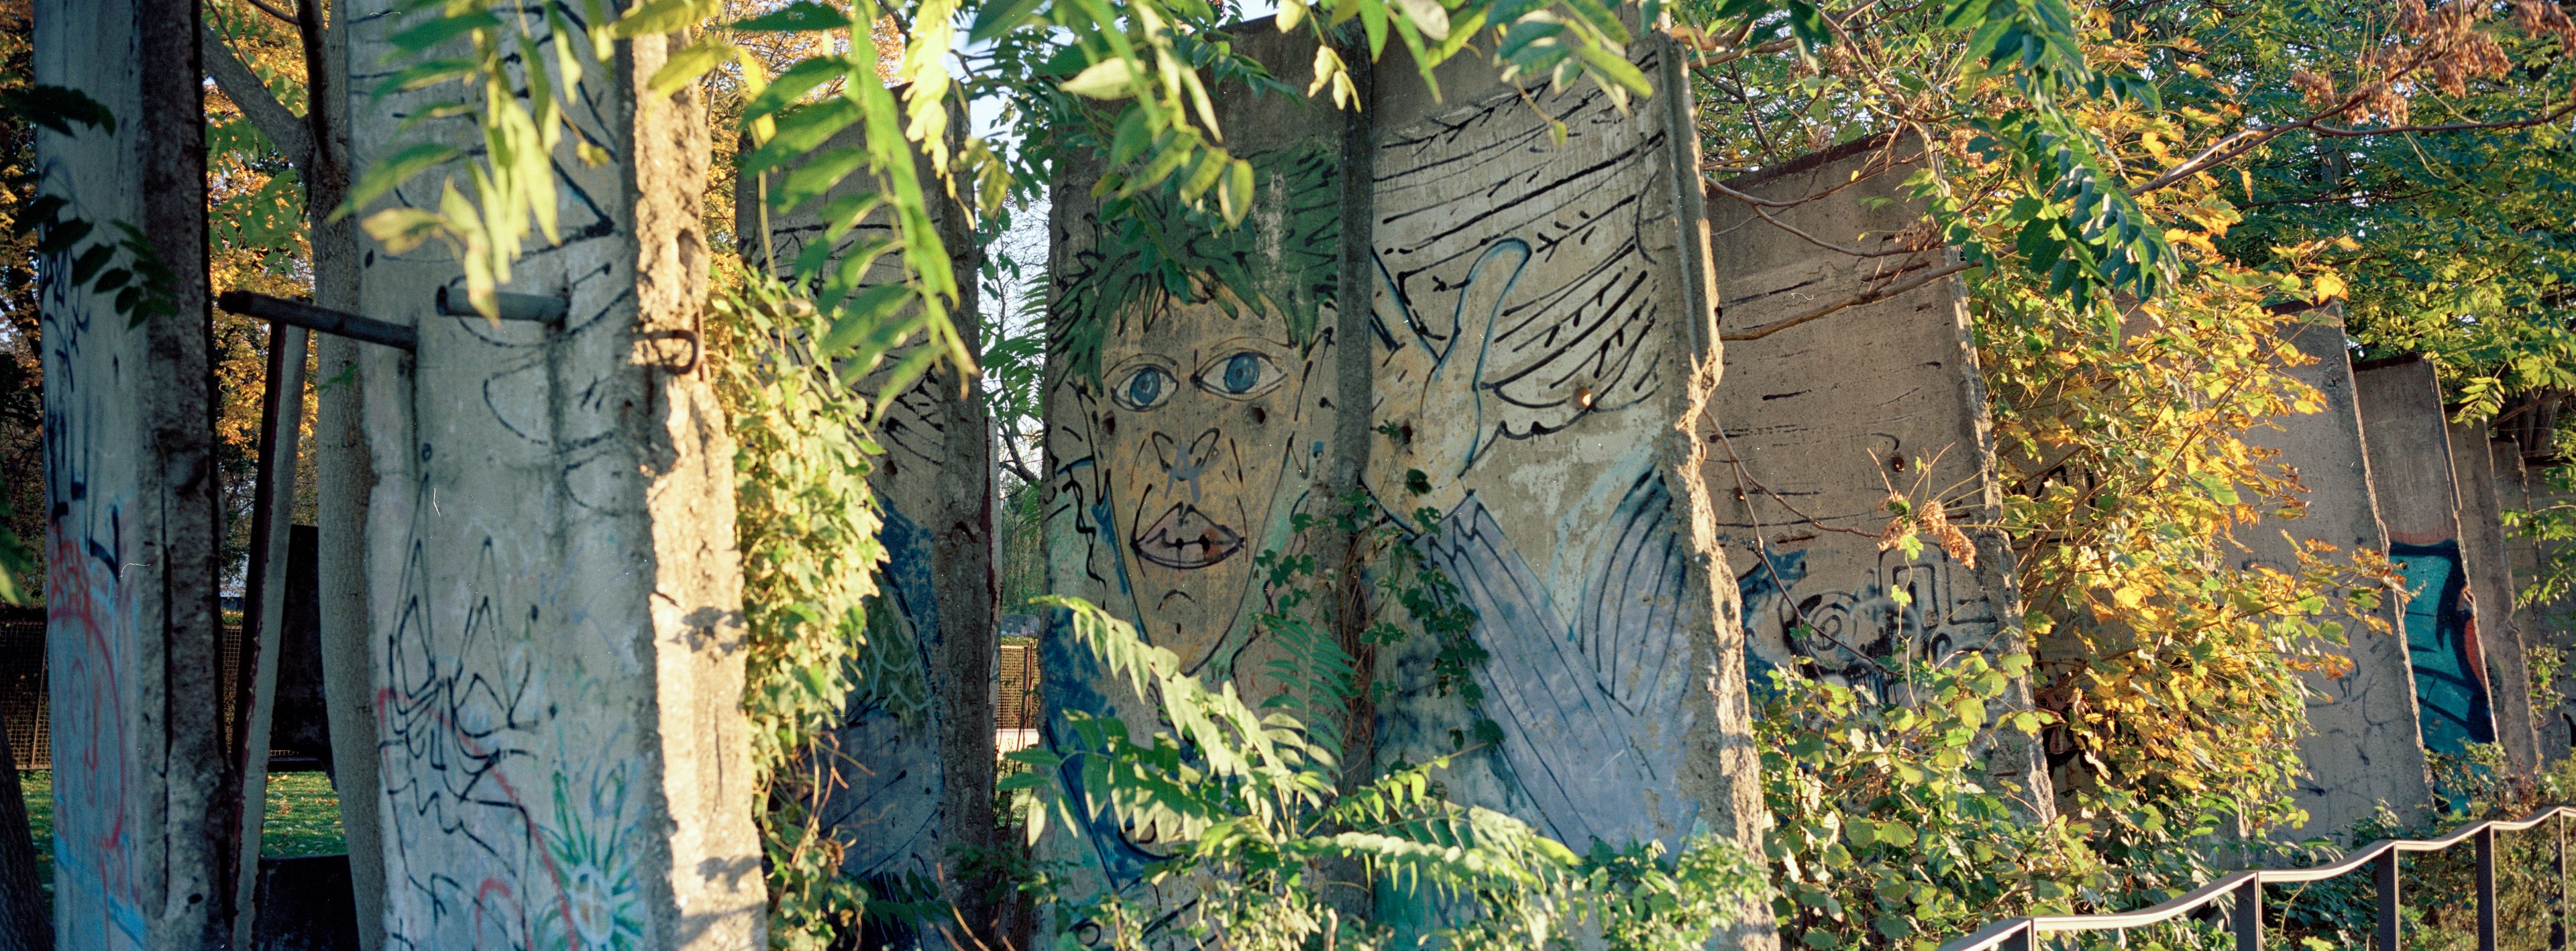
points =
(968, 593)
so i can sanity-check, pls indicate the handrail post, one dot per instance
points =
(2558, 915)
(2249, 915)
(2486, 889)
(2024, 939)
(2386, 867)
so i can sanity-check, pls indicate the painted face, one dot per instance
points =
(1202, 426)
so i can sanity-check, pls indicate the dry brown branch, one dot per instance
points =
(1864, 297)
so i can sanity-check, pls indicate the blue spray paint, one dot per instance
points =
(2450, 684)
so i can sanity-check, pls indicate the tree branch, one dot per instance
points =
(271, 11)
(1759, 208)
(1018, 467)
(1864, 297)
(266, 114)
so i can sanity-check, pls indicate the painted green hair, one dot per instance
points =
(1149, 254)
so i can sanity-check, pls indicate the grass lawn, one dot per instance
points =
(303, 817)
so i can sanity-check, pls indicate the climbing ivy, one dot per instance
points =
(806, 523)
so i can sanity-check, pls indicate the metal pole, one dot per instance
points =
(2025, 939)
(2486, 889)
(321, 319)
(2249, 915)
(2558, 915)
(2386, 867)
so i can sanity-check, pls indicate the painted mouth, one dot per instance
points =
(1185, 538)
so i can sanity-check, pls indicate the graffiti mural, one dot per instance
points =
(1186, 429)
(1528, 311)
(889, 813)
(2406, 435)
(1858, 633)
(1527, 308)
(2441, 638)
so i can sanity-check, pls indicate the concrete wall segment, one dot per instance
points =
(141, 826)
(2492, 584)
(2549, 715)
(551, 574)
(2364, 747)
(2407, 438)
(1823, 425)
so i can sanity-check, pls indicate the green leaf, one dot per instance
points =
(1616, 69)
(685, 66)
(800, 16)
(817, 175)
(402, 229)
(801, 132)
(1106, 79)
(421, 36)
(995, 19)
(864, 312)
(392, 171)
(427, 73)
(793, 84)
(660, 16)
(1426, 16)
(62, 236)
(58, 108)
(87, 265)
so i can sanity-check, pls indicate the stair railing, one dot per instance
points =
(2245, 889)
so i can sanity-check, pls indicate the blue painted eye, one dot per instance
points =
(1242, 373)
(1146, 388)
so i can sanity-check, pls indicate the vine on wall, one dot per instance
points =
(806, 523)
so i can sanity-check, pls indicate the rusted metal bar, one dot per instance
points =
(320, 319)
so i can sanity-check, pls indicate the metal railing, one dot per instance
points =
(2245, 890)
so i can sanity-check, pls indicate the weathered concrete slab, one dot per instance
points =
(1185, 430)
(2491, 584)
(1538, 309)
(1822, 426)
(141, 827)
(2409, 448)
(553, 587)
(917, 720)
(2549, 715)
(2364, 747)
(1534, 313)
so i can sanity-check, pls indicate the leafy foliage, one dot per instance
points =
(806, 523)
(1887, 833)
(1252, 804)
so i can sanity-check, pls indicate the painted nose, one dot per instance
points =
(1184, 462)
